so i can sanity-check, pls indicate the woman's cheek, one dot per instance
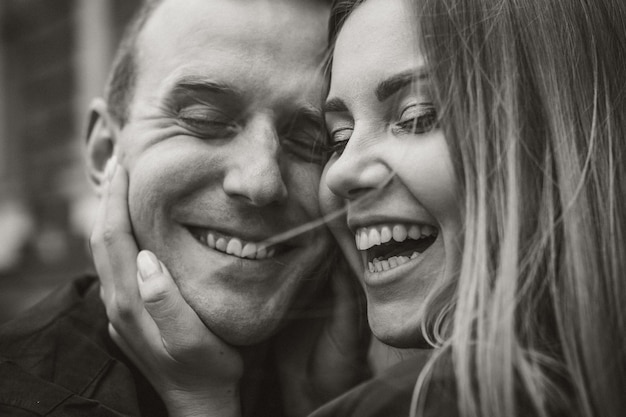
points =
(333, 210)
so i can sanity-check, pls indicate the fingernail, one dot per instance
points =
(109, 170)
(147, 264)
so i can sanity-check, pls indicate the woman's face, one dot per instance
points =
(391, 169)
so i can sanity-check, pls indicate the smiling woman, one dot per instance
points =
(476, 154)
(392, 165)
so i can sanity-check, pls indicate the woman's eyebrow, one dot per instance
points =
(393, 84)
(312, 114)
(335, 105)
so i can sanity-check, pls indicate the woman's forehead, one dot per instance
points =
(378, 34)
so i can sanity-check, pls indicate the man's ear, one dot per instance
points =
(102, 133)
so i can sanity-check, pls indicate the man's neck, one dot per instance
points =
(259, 384)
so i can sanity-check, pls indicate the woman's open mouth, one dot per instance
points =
(388, 246)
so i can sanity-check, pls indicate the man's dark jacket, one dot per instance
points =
(58, 360)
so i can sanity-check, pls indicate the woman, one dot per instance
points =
(478, 148)
(528, 99)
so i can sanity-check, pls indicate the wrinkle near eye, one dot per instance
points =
(155, 130)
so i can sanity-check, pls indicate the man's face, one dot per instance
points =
(219, 150)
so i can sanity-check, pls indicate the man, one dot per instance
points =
(212, 111)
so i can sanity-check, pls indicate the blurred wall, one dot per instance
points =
(54, 57)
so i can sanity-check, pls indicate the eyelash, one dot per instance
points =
(422, 123)
(206, 125)
(199, 122)
(338, 146)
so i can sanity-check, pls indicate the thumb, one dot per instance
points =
(178, 323)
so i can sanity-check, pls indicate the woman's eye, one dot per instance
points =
(338, 147)
(339, 140)
(417, 119)
(341, 135)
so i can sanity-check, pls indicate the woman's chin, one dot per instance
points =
(402, 334)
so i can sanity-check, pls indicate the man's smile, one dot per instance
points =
(236, 246)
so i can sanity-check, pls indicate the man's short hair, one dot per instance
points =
(123, 77)
(120, 86)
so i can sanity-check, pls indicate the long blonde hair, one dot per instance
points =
(533, 104)
(533, 95)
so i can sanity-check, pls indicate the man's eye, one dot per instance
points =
(203, 123)
(306, 146)
(417, 119)
(207, 125)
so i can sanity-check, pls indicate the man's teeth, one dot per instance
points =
(236, 247)
(367, 237)
(379, 265)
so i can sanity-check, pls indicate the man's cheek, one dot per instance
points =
(149, 206)
(305, 182)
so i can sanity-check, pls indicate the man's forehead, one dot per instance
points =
(198, 29)
(234, 18)
(231, 43)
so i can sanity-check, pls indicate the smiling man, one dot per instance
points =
(213, 110)
(218, 139)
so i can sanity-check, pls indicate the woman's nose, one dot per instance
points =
(357, 171)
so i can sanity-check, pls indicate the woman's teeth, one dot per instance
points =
(389, 246)
(234, 246)
(367, 237)
(379, 265)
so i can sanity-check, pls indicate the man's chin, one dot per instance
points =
(241, 331)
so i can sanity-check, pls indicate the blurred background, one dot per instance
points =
(54, 57)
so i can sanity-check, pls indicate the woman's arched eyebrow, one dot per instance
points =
(335, 105)
(395, 83)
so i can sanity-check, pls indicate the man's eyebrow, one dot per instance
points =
(395, 83)
(203, 85)
(335, 105)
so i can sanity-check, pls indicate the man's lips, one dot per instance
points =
(236, 246)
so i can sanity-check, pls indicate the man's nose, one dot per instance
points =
(254, 173)
(357, 171)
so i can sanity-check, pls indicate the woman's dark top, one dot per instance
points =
(389, 394)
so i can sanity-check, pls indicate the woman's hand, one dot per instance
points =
(194, 372)
(324, 353)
